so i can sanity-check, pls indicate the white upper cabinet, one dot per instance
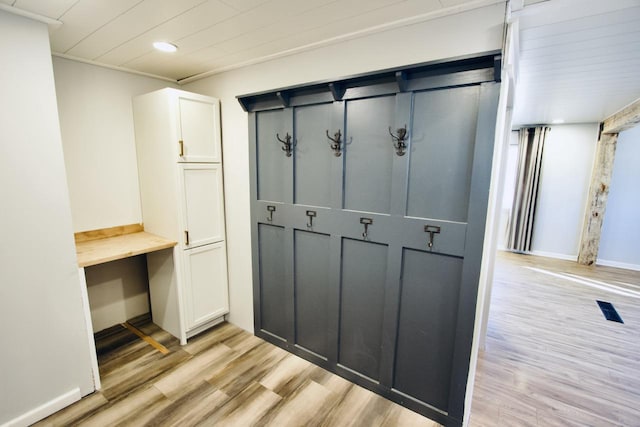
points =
(199, 128)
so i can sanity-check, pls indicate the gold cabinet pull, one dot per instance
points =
(181, 142)
(186, 237)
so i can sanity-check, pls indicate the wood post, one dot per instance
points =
(624, 119)
(598, 193)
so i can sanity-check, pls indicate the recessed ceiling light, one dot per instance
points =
(165, 46)
(557, 121)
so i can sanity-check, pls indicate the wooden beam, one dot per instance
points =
(624, 119)
(597, 203)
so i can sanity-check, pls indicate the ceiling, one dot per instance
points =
(578, 59)
(215, 35)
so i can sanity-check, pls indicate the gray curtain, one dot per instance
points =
(530, 146)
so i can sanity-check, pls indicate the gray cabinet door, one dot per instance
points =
(368, 265)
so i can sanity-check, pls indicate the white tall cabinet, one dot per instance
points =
(180, 172)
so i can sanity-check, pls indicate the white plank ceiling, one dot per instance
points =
(214, 34)
(579, 59)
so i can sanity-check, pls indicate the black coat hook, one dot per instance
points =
(287, 146)
(335, 143)
(399, 142)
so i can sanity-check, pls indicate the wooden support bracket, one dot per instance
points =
(337, 91)
(401, 79)
(284, 98)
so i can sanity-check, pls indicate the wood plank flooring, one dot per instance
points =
(551, 360)
(224, 377)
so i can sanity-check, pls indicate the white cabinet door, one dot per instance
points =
(206, 293)
(202, 204)
(199, 130)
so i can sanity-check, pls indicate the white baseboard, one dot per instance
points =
(617, 264)
(44, 410)
(554, 255)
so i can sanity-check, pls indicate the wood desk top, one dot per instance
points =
(100, 246)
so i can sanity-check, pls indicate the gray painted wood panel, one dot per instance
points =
(477, 216)
(442, 140)
(427, 326)
(386, 311)
(312, 291)
(364, 267)
(369, 154)
(313, 157)
(272, 163)
(273, 291)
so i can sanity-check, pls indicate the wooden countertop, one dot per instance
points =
(109, 244)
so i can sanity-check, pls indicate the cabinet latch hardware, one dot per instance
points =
(271, 210)
(311, 215)
(431, 229)
(366, 222)
(181, 143)
(186, 237)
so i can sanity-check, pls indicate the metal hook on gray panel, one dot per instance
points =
(431, 229)
(366, 222)
(311, 215)
(270, 209)
(399, 142)
(287, 146)
(335, 143)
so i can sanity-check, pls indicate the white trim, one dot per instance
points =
(113, 67)
(44, 410)
(86, 308)
(554, 255)
(617, 264)
(491, 238)
(464, 7)
(52, 23)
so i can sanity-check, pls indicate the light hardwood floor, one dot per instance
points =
(551, 360)
(224, 377)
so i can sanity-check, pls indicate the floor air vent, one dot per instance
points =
(609, 311)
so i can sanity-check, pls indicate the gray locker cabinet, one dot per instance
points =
(367, 262)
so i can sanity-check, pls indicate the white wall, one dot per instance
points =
(621, 227)
(510, 176)
(567, 162)
(471, 32)
(96, 121)
(45, 347)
